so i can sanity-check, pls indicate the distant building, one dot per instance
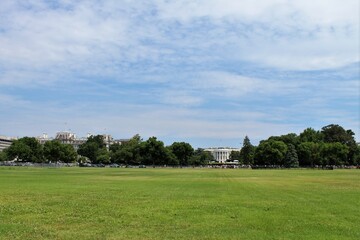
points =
(67, 137)
(5, 142)
(221, 154)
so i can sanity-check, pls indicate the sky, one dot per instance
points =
(207, 72)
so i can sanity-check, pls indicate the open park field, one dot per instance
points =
(105, 203)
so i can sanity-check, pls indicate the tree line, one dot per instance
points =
(94, 150)
(332, 145)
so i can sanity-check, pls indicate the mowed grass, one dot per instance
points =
(103, 203)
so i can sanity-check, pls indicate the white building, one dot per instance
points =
(67, 137)
(5, 142)
(221, 154)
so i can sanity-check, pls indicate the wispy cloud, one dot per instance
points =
(188, 69)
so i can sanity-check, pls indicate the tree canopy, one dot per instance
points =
(332, 145)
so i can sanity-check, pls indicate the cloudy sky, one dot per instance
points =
(207, 72)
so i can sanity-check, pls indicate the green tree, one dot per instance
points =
(334, 133)
(201, 157)
(153, 152)
(290, 138)
(270, 152)
(183, 152)
(123, 155)
(310, 135)
(235, 155)
(102, 156)
(26, 149)
(69, 154)
(127, 153)
(91, 147)
(55, 151)
(3, 156)
(247, 152)
(309, 153)
(291, 158)
(334, 153)
(356, 160)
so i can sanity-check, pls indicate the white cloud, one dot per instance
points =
(231, 85)
(82, 35)
(284, 34)
(313, 12)
(162, 67)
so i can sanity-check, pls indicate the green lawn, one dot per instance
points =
(103, 203)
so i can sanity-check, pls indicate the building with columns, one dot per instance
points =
(221, 154)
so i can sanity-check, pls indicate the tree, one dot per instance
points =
(25, 149)
(270, 152)
(291, 158)
(201, 157)
(334, 133)
(235, 155)
(55, 151)
(183, 152)
(170, 157)
(102, 156)
(127, 153)
(69, 154)
(153, 152)
(290, 138)
(309, 153)
(123, 155)
(310, 135)
(356, 160)
(3, 156)
(91, 147)
(334, 153)
(247, 152)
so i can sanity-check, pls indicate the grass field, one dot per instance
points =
(103, 203)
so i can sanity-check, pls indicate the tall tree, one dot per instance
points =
(334, 133)
(309, 153)
(201, 157)
(69, 154)
(55, 151)
(91, 147)
(310, 135)
(290, 138)
(102, 156)
(247, 152)
(291, 158)
(183, 152)
(270, 152)
(334, 153)
(153, 152)
(26, 149)
(3, 156)
(128, 152)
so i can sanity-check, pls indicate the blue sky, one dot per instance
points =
(207, 72)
